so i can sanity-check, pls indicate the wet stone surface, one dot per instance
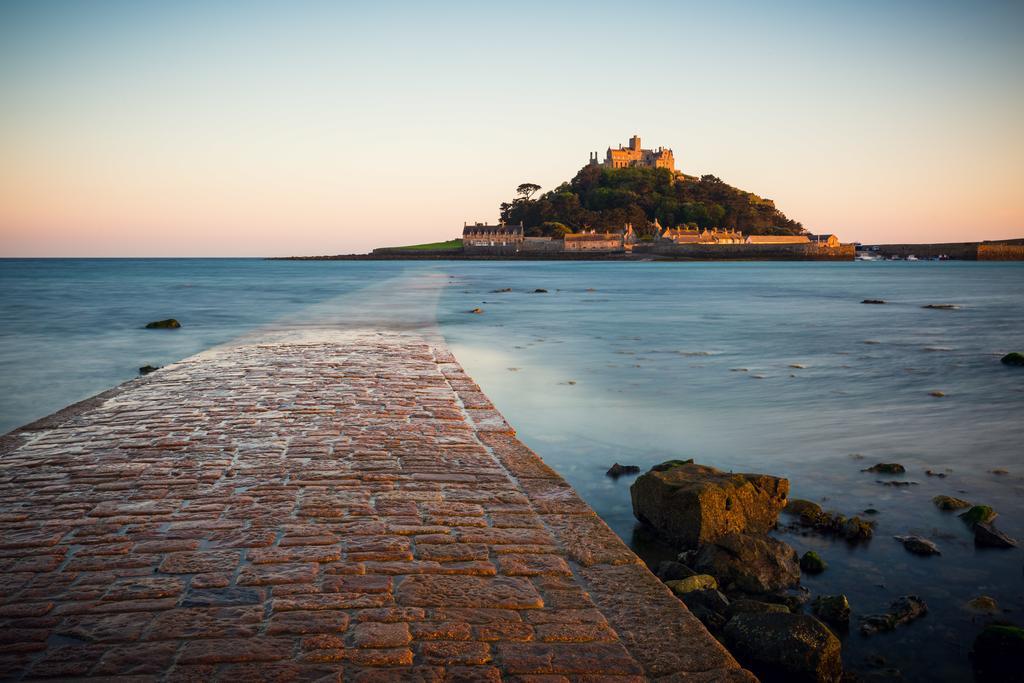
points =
(341, 506)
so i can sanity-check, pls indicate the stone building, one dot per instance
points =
(777, 239)
(483, 235)
(830, 241)
(635, 155)
(591, 240)
(682, 235)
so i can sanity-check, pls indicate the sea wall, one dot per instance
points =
(967, 251)
(1000, 252)
(748, 252)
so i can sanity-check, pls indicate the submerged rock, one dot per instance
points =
(478, 311)
(697, 582)
(749, 563)
(796, 648)
(873, 301)
(1013, 358)
(998, 653)
(979, 514)
(693, 504)
(540, 291)
(950, 503)
(832, 609)
(887, 468)
(988, 536)
(169, 324)
(501, 291)
(937, 394)
(983, 604)
(617, 470)
(811, 563)
(918, 545)
(146, 369)
(904, 609)
(942, 307)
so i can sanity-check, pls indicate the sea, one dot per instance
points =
(762, 367)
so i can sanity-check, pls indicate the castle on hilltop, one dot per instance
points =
(635, 155)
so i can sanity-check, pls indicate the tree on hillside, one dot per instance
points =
(527, 190)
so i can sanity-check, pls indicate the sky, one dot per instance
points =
(216, 128)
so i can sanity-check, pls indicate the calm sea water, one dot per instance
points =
(640, 362)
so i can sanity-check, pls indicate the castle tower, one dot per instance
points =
(634, 143)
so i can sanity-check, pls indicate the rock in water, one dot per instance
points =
(950, 503)
(749, 563)
(988, 536)
(983, 604)
(942, 307)
(887, 468)
(692, 504)
(1013, 359)
(873, 301)
(979, 514)
(540, 291)
(903, 610)
(617, 470)
(796, 648)
(811, 514)
(478, 311)
(918, 545)
(169, 324)
(998, 654)
(832, 609)
(146, 369)
(811, 563)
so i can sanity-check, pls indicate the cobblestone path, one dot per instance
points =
(344, 508)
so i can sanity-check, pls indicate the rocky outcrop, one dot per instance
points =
(810, 514)
(749, 563)
(987, 536)
(693, 504)
(169, 324)
(617, 470)
(811, 563)
(795, 648)
(918, 545)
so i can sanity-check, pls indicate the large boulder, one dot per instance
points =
(693, 504)
(777, 646)
(754, 564)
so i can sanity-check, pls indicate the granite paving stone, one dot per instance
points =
(317, 504)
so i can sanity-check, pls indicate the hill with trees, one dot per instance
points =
(606, 199)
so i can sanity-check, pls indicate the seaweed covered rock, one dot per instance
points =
(832, 609)
(795, 648)
(168, 324)
(979, 514)
(693, 504)
(904, 609)
(811, 563)
(749, 563)
(998, 653)
(697, 582)
(1013, 358)
(950, 503)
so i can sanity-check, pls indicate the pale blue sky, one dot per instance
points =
(146, 128)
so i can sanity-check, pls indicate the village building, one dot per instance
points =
(635, 155)
(591, 240)
(830, 241)
(483, 235)
(777, 239)
(683, 235)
